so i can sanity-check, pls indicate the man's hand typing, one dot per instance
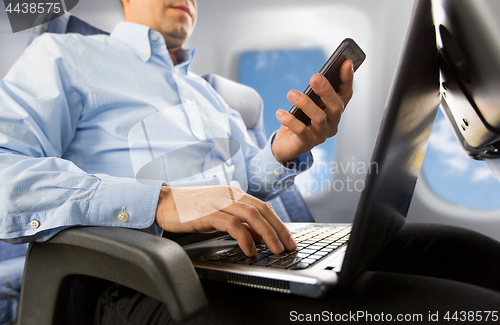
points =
(203, 209)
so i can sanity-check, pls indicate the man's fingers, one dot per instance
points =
(256, 237)
(233, 225)
(308, 106)
(346, 79)
(334, 104)
(266, 210)
(291, 122)
(252, 216)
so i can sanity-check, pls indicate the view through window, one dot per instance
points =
(456, 177)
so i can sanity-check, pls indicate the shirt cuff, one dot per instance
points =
(301, 164)
(124, 202)
(277, 173)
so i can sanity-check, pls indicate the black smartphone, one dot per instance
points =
(347, 50)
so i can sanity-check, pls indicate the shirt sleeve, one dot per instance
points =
(266, 177)
(41, 193)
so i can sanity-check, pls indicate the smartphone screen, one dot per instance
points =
(347, 50)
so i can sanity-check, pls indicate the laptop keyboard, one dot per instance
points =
(313, 244)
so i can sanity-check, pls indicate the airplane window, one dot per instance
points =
(272, 74)
(456, 177)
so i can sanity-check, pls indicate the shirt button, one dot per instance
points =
(35, 224)
(175, 71)
(276, 174)
(154, 37)
(145, 54)
(122, 216)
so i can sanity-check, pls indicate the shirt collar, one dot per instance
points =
(146, 42)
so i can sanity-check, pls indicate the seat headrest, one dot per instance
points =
(239, 97)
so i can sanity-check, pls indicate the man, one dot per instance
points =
(75, 98)
(67, 109)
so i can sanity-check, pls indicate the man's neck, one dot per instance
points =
(174, 55)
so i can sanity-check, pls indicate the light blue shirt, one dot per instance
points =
(83, 119)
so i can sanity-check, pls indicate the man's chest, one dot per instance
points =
(144, 112)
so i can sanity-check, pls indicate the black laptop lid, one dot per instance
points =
(400, 146)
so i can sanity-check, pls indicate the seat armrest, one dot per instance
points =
(155, 266)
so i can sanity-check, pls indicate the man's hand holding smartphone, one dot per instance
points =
(295, 138)
(315, 114)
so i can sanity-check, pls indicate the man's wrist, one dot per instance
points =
(288, 163)
(163, 202)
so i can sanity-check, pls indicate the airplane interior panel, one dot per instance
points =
(271, 47)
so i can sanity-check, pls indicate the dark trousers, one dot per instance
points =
(424, 272)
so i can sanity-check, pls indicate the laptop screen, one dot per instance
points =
(400, 146)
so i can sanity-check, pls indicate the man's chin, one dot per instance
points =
(176, 39)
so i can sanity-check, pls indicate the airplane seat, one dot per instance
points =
(11, 270)
(157, 267)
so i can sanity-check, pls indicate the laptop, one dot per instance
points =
(331, 255)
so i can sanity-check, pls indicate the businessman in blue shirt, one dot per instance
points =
(69, 156)
(80, 116)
